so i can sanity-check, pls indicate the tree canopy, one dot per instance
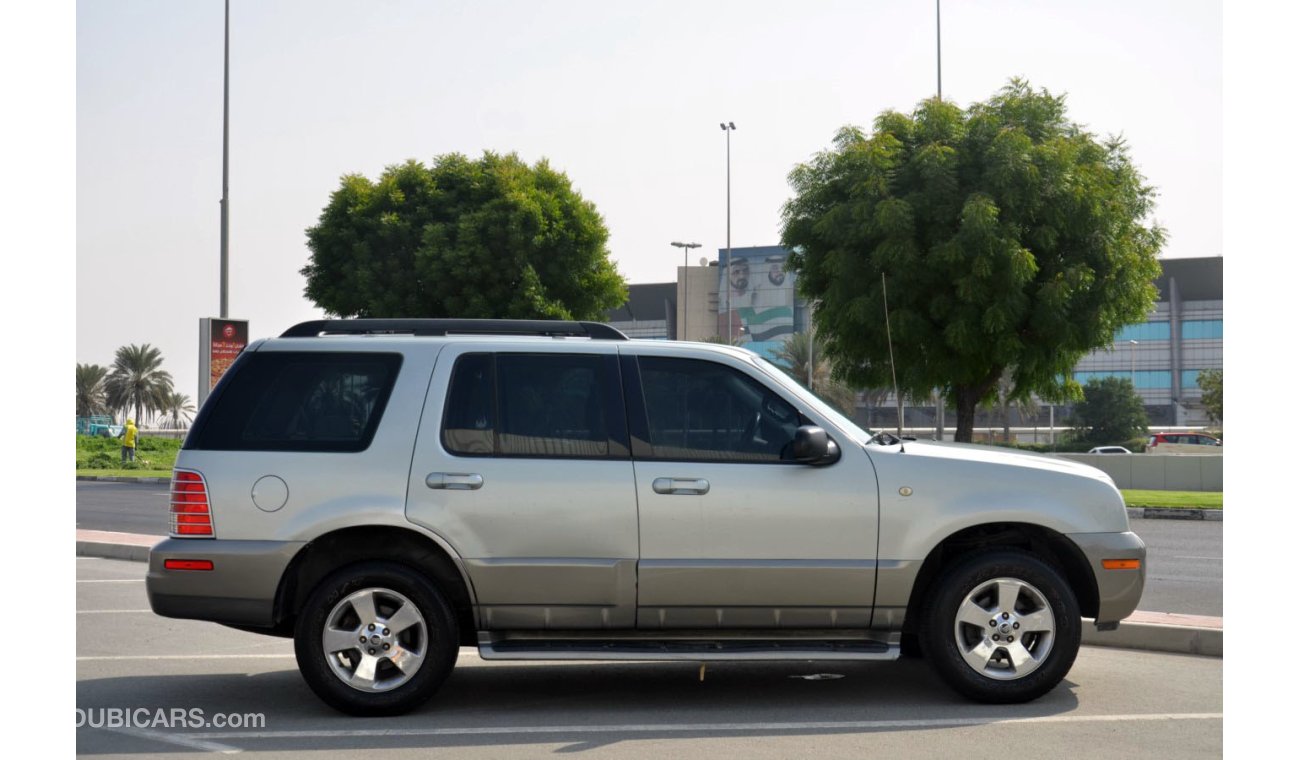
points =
(1111, 411)
(137, 381)
(1210, 381)
(486, 238)
(1010, 239)
(92, 397)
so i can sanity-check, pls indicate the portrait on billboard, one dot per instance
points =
(757, 296)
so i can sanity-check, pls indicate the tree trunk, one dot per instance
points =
(965, 400)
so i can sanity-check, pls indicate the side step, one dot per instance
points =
(494, 647)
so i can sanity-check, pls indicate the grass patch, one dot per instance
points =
(154, 457)
(1175, 499)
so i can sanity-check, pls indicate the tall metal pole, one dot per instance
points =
(728, 127)
(938, 47)
(225, 178)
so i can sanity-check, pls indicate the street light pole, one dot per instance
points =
(1132, 363)
(225, 177)
(686, 285)
(938, 48)
(728, 127)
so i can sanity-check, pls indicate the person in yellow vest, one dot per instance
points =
(128, 441)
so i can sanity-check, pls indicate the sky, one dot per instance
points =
(625, 98)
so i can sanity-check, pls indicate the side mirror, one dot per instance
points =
(812, 446)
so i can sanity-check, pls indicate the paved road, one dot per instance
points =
(1115, 703)
(123, 507)
(1184, 566)
(1185, 559)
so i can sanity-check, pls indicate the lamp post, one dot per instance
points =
(225, 175)
(728, 127)
(686, 284)
(1132, 363)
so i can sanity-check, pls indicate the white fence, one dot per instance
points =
(1159, 472)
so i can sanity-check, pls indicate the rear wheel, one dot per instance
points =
(1003, 626)
(375, 638)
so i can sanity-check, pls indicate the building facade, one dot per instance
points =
(757, 299)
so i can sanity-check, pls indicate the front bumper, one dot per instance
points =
(239, 590)
(1118, 591)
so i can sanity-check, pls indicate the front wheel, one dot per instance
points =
(1003, 626)
(375, 638)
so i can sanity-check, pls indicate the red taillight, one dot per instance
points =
(187, 564)
(190, 513)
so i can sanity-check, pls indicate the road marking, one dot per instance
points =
(127, 657)
(701, 728)
(110, 612)
(114, 580)
(178, 739)
(464, 652)
(1183, 556)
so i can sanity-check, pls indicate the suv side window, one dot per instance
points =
(302, 401)
(535, 405)
(703, 411)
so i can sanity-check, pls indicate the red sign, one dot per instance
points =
(226, 339)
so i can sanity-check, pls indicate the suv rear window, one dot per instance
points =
(301, 401)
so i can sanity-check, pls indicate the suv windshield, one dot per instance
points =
(824, 409)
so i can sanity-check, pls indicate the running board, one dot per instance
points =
(690, 650)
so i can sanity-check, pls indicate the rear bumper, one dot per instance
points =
(1118, 591)
(239, 590)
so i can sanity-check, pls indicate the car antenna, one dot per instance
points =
(893, 372)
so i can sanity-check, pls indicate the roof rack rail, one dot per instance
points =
(546, 327)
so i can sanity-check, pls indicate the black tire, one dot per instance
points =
(440, 639)
(940, 629)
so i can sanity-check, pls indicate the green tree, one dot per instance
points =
(91, 396)
(138, 381)
(492, 238)
(1009, 238)
(1210, 381)
(1111, 412)
(794, 357)
(177, 410)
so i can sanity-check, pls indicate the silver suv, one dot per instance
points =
(387, 491)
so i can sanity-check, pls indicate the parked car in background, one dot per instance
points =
(1108, 450)
(1183, 443)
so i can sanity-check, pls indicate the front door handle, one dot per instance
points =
(454, 481)
(681, 486)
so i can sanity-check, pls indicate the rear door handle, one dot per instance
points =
(681, 486)
(454, 481)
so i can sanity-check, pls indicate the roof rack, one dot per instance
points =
(544, 327)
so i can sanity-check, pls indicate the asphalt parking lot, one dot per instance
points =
(1115, 703)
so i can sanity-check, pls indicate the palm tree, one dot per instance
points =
(801, 352)
(177, 411)
(91, 395)
(137, 380)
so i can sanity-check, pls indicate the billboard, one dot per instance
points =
(757, 296)
(220, 341)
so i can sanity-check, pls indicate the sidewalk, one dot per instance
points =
(1155, 631)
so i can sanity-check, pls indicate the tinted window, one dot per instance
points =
(281, 401)
(705, 411)
(469, 424)
(544, 405)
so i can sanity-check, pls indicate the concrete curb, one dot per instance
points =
(1153, 631)
(110, 545)
(1168, 513)
(1161, 632)
(123, 479)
